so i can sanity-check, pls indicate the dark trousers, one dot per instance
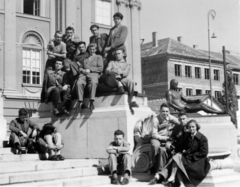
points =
(128, 84)
(50, 64)
(92, 81)
(159, 155)
(72, 66)
(60, 98)
(119, 163)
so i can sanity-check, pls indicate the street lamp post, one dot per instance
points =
(213, 14)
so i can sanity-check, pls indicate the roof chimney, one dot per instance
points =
(154, 39)
(195, 46)
(179, 38)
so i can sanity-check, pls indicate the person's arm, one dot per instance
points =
(110, 70)
(13, 127)
(121, 39)
(111, 150)
(126, 70)
(170, 103)
(123, 149)
(157, 136)
(99, 67)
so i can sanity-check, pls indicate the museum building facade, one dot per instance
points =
(26, 26)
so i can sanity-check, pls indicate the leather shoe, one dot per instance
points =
(153, 181)
(55, 111)
(91, 107)
(125, 181)
(120, 89)
(66, 112)
(134, 104)
(115, 179)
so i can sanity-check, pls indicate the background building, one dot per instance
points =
(167, 59)
(26, 26)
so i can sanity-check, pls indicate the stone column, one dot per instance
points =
(86, 8)
(123, 7)
(10, 85)
(70, 7)
(135, 7)
(52, 18)
(3, 123)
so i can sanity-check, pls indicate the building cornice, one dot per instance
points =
(135, 3)
(122, 2)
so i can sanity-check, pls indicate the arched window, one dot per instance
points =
(31, 58)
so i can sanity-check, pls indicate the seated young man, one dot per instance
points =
(50, 141)
(119, 157)
(117, 72)
(56, 88)
(22, 130)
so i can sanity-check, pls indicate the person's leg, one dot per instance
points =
(58, 142)
(180, 178)
(14, 141)
(155, 144)
(129, 84)
(92, 80)
(56, 100)
(162, 158)
(66, 100)
(49, 140)
(127, 162)
(80, 86)
(112, 160)
(173, 173)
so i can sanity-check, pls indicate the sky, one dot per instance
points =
(188, 19)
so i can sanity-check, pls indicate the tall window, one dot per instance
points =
(31, 59)
(207, 91)
(31, 7)
(236, 79)
(103, 12)
(197, 72)
(177, 70)
(188, 91)
(188, 71)
(216, 74)
(206, 71)
(198, 92)
(217, 95)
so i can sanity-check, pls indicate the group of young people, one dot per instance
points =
(179, 150)
(72, 66)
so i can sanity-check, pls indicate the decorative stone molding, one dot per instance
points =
(135, 3)
(124, 2)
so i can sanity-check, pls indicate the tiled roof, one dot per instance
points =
(173, 47)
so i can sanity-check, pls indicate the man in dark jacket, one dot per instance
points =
(99, 39)
(117, 37)
(57, 85)
(22, 129)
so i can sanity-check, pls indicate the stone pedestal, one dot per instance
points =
(88, 134)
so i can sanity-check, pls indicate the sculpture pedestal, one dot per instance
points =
(3, 123)
(86, 134)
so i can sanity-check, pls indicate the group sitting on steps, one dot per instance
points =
(71, 66)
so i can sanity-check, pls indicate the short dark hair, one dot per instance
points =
(92, 45)
(58, 60)
(121, 49)
(58, 32)
(182, 113)
(48, 128)
(22, 112)
(82, 42)
(164, 105)
(118, 14)
(196, 123)
(118, 132)
(94, 26)
(70, 28)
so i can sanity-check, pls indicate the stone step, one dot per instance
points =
(5, 151)
(25, 177)
(14, 167)
(19, 158)
(68, 182)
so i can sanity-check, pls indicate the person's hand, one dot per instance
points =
(78, 63)
(88, 71)
(24, 134)
(59, 146)
(107, 49)
(173, 152)
(64, 88)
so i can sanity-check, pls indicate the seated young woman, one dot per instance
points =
(50, 141)
(192, 162)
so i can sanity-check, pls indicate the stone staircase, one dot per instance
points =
(27, 170)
